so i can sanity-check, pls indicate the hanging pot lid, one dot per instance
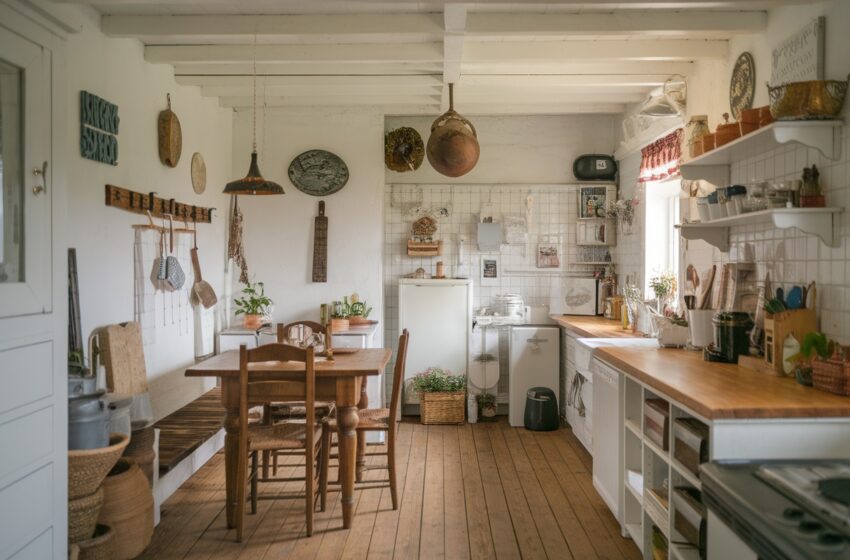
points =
(403, 149)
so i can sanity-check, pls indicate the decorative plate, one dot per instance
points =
(199, 173)
(318, 173)
(742, 87)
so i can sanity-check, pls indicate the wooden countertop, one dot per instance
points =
(589, 326)
(722, 391)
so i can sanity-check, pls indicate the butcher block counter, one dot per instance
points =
(719, 391)
(588, 326)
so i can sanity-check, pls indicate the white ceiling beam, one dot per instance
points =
(568, 67)
(307, 54)
(301, 69)
(376, 100)
(517, 109)
(305, 26)
(308, 90)
(454, 21)
(625, 22)
(565, 80)
(569, 51)
(374, 82)
(466, 99)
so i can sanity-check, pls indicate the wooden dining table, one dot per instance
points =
(342, 380)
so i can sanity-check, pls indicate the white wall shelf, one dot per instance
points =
(816, 221)
(713, 166)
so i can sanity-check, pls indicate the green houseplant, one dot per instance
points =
(442, 396)
(815, 344)
(254, 304)
(359, 310)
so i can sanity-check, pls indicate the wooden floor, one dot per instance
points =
(472, 491)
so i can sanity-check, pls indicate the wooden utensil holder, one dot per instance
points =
(778, 326)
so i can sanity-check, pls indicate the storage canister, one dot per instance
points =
(696, 128)
(656, 423)
(735, 196)
(691, 447)
(88, 421)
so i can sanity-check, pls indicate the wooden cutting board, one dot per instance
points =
(170, 136)
(320, 246)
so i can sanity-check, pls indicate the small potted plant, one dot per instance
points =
(359, 311)
(442, 396)
(254, 304)
(340, 315)
(814, 345)
(664, 286)
(486, 406)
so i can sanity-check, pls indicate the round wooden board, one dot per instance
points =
(199, 173)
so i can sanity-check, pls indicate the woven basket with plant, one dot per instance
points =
(823, 364)
(442, 396)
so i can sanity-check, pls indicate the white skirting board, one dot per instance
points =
(164, 487)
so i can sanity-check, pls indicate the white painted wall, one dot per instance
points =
(518, 149)
(115, 70)
(278, 231)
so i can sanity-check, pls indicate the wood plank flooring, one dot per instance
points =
(473, 491)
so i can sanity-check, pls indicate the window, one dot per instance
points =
(661, 239)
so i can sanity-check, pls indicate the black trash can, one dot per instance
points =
(541, 409)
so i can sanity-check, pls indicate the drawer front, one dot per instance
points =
(33, 363)
(31, 438)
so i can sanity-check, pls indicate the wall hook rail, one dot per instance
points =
(140, 203)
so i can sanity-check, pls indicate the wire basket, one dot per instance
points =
(442, 408)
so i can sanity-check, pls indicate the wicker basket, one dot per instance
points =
(82, 516)
(88, 467)
(101, 546)
(832, 375)
(442, 408)
(141, 450)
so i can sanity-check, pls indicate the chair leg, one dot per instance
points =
(241, 483)
(266, 455)
(309, 488)
(275, 455)
(325, 456)
(254, 474)
(391, 468)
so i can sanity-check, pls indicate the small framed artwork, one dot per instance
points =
(547, 256)
(592, 201)
(490, 271)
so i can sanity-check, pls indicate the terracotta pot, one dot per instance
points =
(128, 509)
(253, 321)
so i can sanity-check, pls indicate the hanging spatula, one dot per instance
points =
(202, 292)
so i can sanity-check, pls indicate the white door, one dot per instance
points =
(33, 409)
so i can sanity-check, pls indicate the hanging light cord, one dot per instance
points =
(254, 121)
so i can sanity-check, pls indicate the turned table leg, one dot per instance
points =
(348, 395)
(231, 447)
(361, 437)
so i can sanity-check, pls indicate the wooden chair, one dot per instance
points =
(260, 437)
(373, 419)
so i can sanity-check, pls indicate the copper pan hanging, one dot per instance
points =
(453, 148)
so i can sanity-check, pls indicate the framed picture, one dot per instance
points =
(591, 202)
(547, 256)
(491, 272)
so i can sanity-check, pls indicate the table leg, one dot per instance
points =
(231, 450)
(347, 420)
(361, 437)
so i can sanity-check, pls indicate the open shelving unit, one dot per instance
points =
(713, 166)
(816, 221)
(649, 507)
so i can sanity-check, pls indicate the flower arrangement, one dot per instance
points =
(438, 380)
(607, 276)
(623, 211)
(664, 285)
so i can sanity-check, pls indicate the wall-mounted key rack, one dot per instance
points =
(141, 203)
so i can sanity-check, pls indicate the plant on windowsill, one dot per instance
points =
(254, 304)
(664, 286)
(442, 396)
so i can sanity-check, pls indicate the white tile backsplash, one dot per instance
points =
(789, 255)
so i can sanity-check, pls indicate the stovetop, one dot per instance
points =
(784, 509)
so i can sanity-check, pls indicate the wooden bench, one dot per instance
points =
(186, 429)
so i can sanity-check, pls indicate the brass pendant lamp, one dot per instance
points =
(253, 183)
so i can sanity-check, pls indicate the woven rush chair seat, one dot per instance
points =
(279, 436)
(370, 419)
(283, 411)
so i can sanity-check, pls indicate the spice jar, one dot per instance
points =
(811, 195)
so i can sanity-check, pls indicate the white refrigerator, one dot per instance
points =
(438, 315)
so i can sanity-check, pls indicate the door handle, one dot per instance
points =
(40, 172)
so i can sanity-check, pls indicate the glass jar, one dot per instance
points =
(696, 128)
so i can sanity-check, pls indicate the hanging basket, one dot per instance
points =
(442, 408)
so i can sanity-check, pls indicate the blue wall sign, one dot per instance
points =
(98, 129)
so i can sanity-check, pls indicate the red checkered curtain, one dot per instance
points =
(660, 160)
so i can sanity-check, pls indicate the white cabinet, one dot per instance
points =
(438, 315)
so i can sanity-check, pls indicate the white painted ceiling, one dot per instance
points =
(505, 57)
